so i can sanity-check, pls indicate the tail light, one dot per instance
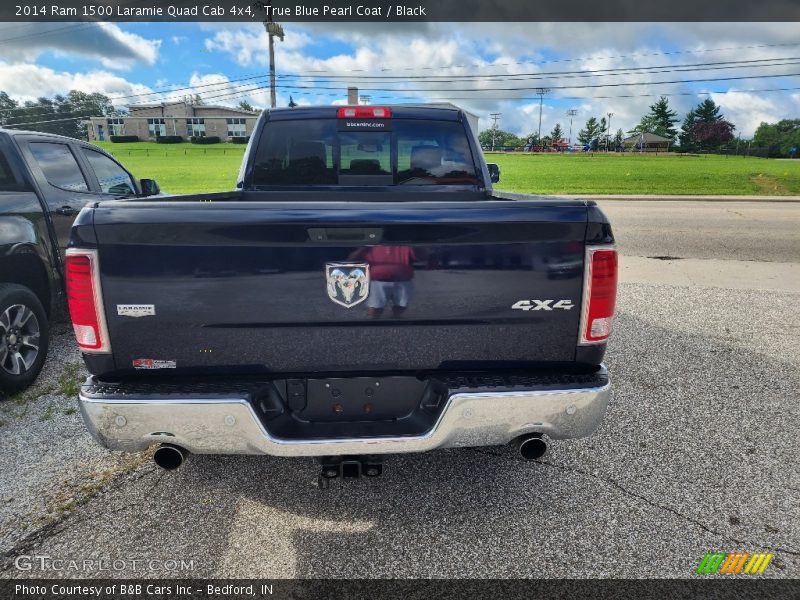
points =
(85, 300)
(599, 294)
(364, 112)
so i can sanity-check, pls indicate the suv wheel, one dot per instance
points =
(24, 333)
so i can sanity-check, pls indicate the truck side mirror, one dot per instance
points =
(149, 187)
(494, 172)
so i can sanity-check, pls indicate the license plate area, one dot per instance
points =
(358, 398)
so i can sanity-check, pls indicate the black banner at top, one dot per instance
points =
(403, 10)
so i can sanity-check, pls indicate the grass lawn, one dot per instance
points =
(188, 168)
(181, 168)
(636, 174)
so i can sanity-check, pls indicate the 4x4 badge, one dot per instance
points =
(347, 283)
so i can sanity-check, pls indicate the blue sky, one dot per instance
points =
(316, 62)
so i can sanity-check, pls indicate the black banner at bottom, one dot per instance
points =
(302, 589)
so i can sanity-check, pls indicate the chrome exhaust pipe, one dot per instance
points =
(169, 456)
(531, 446)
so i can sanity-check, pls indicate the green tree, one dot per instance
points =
(648, 124)
(557, 134)
(8, 108)
(198, 100)
(702, 127)
(245, 105)
(683, 136)
(708, 111)
(590, 132)
(618, 138)
(663, 119)
(62, 115)
(502, 139)
(778, 137)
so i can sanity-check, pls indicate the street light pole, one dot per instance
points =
(571, 113)
(494, 116)
(541, 92)
(273, 29)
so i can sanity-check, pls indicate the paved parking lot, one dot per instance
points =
(699, 452)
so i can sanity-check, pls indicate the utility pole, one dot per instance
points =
(541, 93)
(608, 134)
(364, 99)
(571, 113)
(273, 30)
(494, 117)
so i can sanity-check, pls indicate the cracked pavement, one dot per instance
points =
(699, 452)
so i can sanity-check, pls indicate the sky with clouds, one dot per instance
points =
(595, 68)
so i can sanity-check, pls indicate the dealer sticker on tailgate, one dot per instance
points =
(136, 310)
(151, 363)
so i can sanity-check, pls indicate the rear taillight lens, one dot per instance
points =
(85, 300)
(599, 295)
(364, 112)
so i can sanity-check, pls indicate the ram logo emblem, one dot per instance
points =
(348, 283)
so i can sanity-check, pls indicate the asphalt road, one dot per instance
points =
(699, 452)
(752, 231)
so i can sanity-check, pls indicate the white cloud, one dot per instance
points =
(249, 45)
(29, 82)
(508, 49)
(747, 110)
(105, 42)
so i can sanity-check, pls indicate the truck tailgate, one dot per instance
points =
(252, 286)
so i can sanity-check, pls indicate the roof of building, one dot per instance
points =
(217, 106)
(648, 138)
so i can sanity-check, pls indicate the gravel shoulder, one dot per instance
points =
(50, 464)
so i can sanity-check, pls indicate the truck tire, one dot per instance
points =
(24, 336)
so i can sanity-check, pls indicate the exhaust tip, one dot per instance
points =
(531, 446)
(169, 457)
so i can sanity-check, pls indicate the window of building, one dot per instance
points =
(237, 127)
(115, 126)
(196, 127)
(59, 166)
(156, 127)
(113, 178)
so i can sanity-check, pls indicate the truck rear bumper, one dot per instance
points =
(231, 425)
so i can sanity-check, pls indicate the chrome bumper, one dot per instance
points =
(231, 426)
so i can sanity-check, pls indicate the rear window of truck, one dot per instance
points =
(318, 152)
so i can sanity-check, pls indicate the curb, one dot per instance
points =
(681, 198)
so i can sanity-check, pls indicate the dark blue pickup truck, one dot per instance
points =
(362, 292)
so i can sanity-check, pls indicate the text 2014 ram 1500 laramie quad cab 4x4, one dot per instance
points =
(363, 292)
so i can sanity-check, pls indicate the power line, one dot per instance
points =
(524, 98)
(759, 63)
(12, 125)
(697, 93)
(580, 58)
(755, 63)
(292, 86)
(555, 87)
(58, 30)
(165, 90)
